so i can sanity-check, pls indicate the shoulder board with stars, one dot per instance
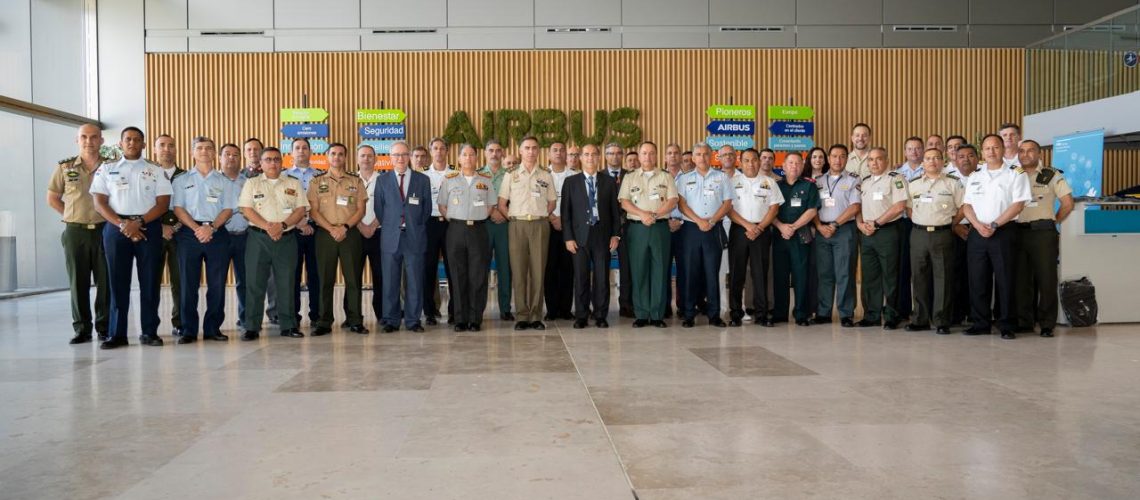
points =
(451, 174)
(952, 176)
(483, 174)
(67, 162)
(319, 173)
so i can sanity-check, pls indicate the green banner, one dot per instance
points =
(731, 112)
(304, 114)
(380, 116)
(790, 112)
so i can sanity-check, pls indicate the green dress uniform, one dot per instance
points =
(648, 245)
(790, 257)
(933, 204)
(337, 199)
(468, 204)
(274, 200)
(1037, 251)
(880, 250)
(82, 247)
(169, 257)
(498, 239)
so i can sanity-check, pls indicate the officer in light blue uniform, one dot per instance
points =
(306, 235)
(238, 226)
(203, 202)
(705, 198)
(132, 194)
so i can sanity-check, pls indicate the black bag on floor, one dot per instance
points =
(1078, 300)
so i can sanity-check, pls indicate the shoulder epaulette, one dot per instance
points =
(865, 178)
(319, 173)
(451, 174)
(1018, 169)
(483, 174)
(852, 174)
(809, 180)
(1045, 175)
(893, 173)
(512, 170)
(952, 176)
(68, 161)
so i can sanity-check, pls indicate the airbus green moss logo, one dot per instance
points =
(509, 126)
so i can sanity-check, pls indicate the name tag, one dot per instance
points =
(122, 186)
(535, 194)
(477, 203)
(877, 196)
(342, 201)
(655, 196)
(926, 199)
(595, 211)
(413, 201)
(1031, 204)
(796, 202)
(709, 192)
(287, 211)
(211, 199)
(829, 202)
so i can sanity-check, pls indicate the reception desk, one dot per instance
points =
(1103, 245)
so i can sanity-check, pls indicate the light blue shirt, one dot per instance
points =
(704, 194)
(910, 173)
(677, 210)
(302, 174)
(203, 197)
(237, 222)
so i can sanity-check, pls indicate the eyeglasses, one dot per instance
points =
(399, 155)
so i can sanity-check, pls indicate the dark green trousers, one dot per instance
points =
(790, 271)
(932, 271)
(880, 256)
(350, 254)
(263, 255)
(501, 253)
(649, 266)
(1035, 280)
(84, 257)
(169, 260)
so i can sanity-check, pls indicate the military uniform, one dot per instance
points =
(306, 252)
(857, 165)
(529, 194)
(498, 237)
(238, 228)
(789, 257)
(336, 200)
(752, 199)
(274, 200)
(835, 256)
(880, 251)
(648, 246)
(1035, 289)
(702, 251)
(436, 249)
(468, 202)
(933, 204)
(991, 192)
(204, 198)
(132, 188)
(82, 241)
(169, 257)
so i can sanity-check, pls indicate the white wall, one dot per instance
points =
(1116, 115)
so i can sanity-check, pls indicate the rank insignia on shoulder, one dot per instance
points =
(451, 174)
(898, 184)
(1045, 175)
(893, 173)
(68, 161)
(1018, 169)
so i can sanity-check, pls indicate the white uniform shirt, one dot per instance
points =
(370, 205)
(436, 177)
(991, 192)
(755, 196)
(559, 178)
(1010, 162)
(131, 185)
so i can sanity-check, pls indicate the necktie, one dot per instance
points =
(401, 187)
(592, 195)
(402, 201)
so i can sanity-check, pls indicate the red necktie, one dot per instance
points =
(402, 200)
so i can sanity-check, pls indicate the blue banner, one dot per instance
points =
(790, 143)
(1081, 157)
(381, 147)
(721, 127)
(319, 146)
(738, 142)
(294, 130)
(791, 128)
(388, 131)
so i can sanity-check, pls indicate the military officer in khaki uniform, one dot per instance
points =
(933, 207)
(274, 204)
(338, 202)
(528, 200)
(648, 196)
(1037, 248)
(884, 201)
(465, 199)
(68, 193)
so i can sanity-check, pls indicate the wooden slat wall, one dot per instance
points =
(1060, 78)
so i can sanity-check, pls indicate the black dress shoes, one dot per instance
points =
(431, 321)
(865, 323)
(659, 323)
(249, 335)
(321, 331)
(688, 323)
(451, 320)
(943, 330)
(766, 322)
(177, 332)
(462, 327)
(417, 329)
(388, 329)
(80, 338)
(537, 325)
(579, 324)
(292, 333)
(358, 329)
(891, 325)
(113, 343)
(640, 323)
(185, 339)
(507, 316)
(803, 322)
(821, 320)
(150, 340)
(522, 325)
(916, 328)
(976, 330)
(734, 322)
(474, 327)
(1046, 332)
(1008, 335)
(549, 317)
(846, 323)
(218, 336)
(602, 323)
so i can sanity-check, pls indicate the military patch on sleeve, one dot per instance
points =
(899, 184)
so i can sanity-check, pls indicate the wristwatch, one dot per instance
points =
(833, 224)
(994, 225)
(876, 224)
(284, 226)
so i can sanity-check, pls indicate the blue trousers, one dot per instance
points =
(835, 265)
(191, 254)
(145, 254)
(411, 264)
(307, 257)
(702, 253)
(235, 248)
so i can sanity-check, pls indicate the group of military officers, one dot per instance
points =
(551, 232)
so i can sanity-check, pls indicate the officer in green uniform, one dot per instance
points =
(791, 240)
(933, 208)
(884, 201)
(164, 155)
(465, 198)
(497, 228)
(338, 201)
(68, 194)
(1035, 282)
(647, 197)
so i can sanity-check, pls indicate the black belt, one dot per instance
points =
(931, 229)
(262, 231)
(236, 233)
(1038, 225)
(81, 225)
(836, 225)
(891, 223)
(468, 222)
(132, 217)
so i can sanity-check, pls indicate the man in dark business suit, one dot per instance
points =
(591, 219)
(403, 207)
(613, 168)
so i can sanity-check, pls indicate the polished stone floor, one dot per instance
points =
(702, 413)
